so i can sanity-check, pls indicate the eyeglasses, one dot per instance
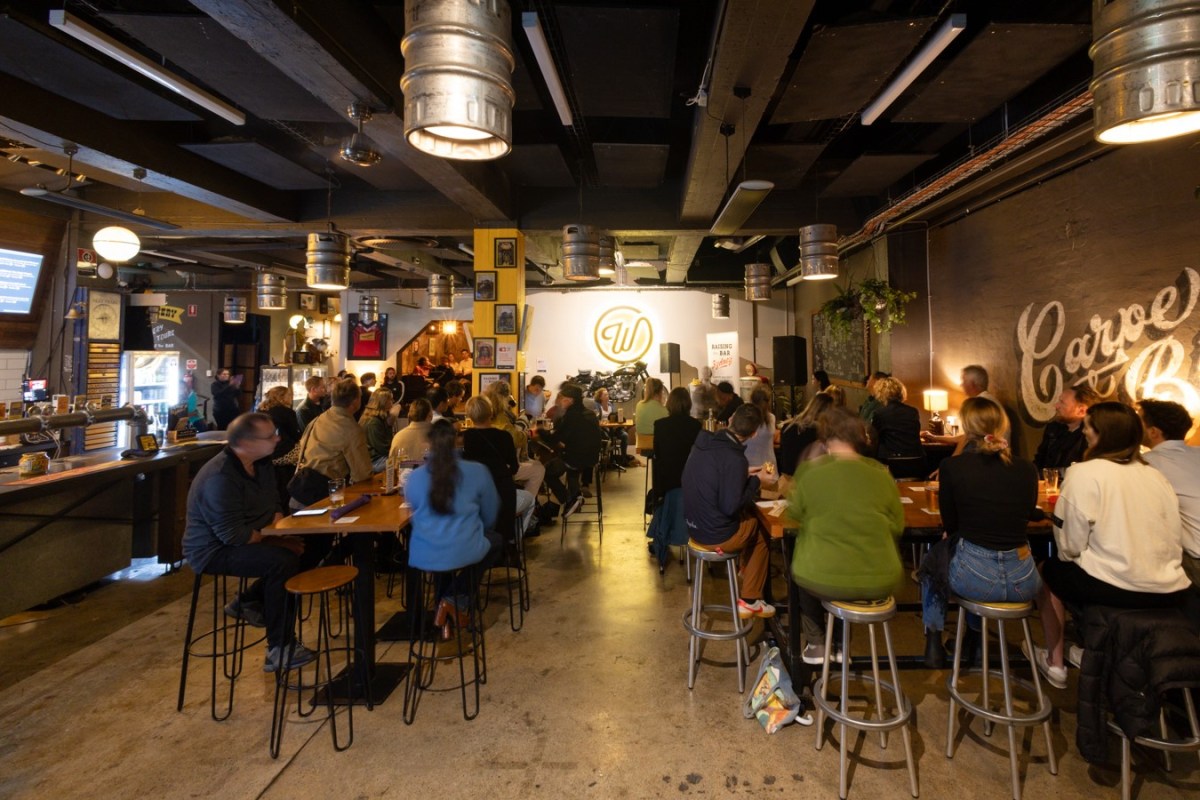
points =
(273, 435)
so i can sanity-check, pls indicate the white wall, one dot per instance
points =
(563, 323)
(12, 369)
(403, 323)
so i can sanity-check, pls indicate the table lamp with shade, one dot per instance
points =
(936, 401)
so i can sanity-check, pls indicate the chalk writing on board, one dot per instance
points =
(846, 358)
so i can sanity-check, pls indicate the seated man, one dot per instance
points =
(576, 441)
(231, 500)
(728, 401)
(440, 401)
(718, 493)
(535, 397)
(1062, 440)
(1166, 427)
(314, 403)
(335, 445)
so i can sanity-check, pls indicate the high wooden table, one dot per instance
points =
(383, 514)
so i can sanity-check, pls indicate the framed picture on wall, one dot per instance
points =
(368, 340)
(330, 305)
(506, 253)
(485, 286)
(486, 379)
(485, 352)
(308, 301)
(506, 318)
(506, 355)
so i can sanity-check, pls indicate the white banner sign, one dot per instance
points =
(723, 356)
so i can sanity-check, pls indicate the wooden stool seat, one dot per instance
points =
(322, 579)
(885, 606)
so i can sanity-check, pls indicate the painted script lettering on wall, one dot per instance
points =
(623, 334)
(1141, 350)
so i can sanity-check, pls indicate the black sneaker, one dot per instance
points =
(251, 611)
(573, 506)
(299, 655)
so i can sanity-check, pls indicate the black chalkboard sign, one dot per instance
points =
(848, 358)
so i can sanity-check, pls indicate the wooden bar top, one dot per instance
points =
(382, 514)
(99, 462)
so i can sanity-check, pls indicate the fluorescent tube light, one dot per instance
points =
(74, 26)
(541, 51)
(745, 198)
(946, 34)
(96, 208)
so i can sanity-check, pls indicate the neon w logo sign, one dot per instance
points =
(623, 334)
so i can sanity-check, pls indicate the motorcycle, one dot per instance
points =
(625, 380)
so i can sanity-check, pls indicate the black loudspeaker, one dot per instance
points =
(668, 357)
(791, 360)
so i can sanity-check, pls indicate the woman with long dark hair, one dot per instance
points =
(277, 404)
(799, 434)
(454, 506)
(1119, 536)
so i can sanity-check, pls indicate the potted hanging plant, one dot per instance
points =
(841, 310)
(883, 306)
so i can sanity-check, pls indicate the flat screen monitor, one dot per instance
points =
(34, 390)
(18, 280)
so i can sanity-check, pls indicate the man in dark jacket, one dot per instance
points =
(314, 403)
(1062, 440)
(717, 493)
(576, 437)
(728, 401)
(231, 500)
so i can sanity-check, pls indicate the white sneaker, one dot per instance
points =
(756, 609)
(1075, 656)
(1055, 676)
(815, 654)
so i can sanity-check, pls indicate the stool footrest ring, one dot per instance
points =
(829, 707)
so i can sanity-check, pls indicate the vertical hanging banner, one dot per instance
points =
(723, 356)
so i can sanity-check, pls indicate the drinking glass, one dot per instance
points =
(931, 497)
(337, 493)
(1051, 477)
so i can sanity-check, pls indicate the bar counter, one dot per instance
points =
(89, 516)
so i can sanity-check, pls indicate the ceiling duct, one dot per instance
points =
(758, 282)
(271, 291)
(457, 82)
(1146, 70)
(327, 261)
(581, 253)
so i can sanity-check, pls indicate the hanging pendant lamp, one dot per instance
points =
(581, 253)
(115, 243)
(441, 292)
(327, 261)
(758, 282)
(720, 306)
(234, 310)
(818, 252)
(271, 291)
(368, 309)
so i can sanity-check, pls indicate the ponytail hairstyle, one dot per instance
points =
(986, 424)
(443, 466)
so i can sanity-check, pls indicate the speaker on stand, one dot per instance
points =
(668, 360)
(791, 369)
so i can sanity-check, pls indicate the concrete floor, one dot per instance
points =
(590, 699)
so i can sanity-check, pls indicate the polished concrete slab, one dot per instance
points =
(590, 699)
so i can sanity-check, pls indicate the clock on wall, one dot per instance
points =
(104, 317)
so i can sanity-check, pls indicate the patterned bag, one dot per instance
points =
(773, 700)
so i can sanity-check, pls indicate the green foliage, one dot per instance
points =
(874, 300)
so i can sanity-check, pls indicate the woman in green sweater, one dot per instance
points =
(849, 516)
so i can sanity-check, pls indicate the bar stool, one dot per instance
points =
(321, 584)
(594, 504)
(999, 612)
(870, 613)
(644, 447)
(513, 561)
(691, 617)
(468, 641)
(1167, 744)
(227, 640)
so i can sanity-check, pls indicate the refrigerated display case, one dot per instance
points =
(150, 378)
(293, 375)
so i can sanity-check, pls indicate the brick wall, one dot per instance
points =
(12, 368)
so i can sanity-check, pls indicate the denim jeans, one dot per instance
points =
(978, 573)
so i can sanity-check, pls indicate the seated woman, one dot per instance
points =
(986, 499)
(674, 436)
(760, 450)
(277, 404)
(391, 382)
(412, 441)
(896, 431)
(1118, 531)
(376, 422)
(454, 505)
(606, 410)
(650, 408)
(798, 438)
(493, 447)
(849, 516)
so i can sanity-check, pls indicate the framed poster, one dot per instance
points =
(368, 340)
(506, 253)
(506, 355)
(308, 301)
(506, 318)
(331, 305)
(485, 286)
(846, 358)
(486, 379)
(485, 352)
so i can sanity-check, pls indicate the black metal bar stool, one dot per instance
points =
(516, 576)
(321, 584)
(594, 504)
(691, 617)
(869, 613)
(1040, 715)
(644, 447)
(461, 637)
(227, 642)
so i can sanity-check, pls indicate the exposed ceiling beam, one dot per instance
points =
(280, 37)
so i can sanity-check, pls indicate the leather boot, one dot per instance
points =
(935, 654)
(971, 648)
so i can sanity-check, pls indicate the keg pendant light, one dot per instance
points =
(441, 292)
(234, 310)
(457, 82)
(818, 252)
(368, 309)
(758, 282)
(327, 257)
(1146, 70)
(720, 306)
(271, 291)
(581, 253)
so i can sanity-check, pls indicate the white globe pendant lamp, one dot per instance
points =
(115, 243)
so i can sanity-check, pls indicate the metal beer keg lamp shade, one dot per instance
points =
(368, 309)
(271, 291)
(720, 306)
(457, 82)
(608, 260)
(441, 292)
(818, 252)
(1145, 69)
(328, 261)
(581, 253)
(758, 282)
(234, 310)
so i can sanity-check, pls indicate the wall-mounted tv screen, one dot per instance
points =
(18, 280)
